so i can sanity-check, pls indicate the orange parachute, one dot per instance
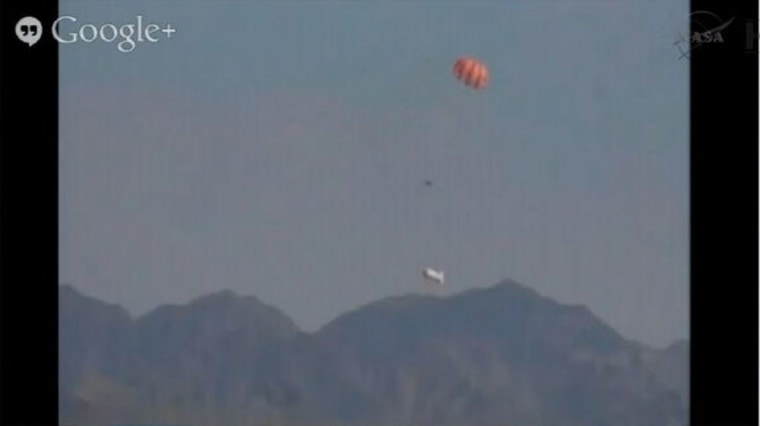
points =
(471, 72)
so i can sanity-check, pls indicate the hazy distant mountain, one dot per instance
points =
(671, 366)
(502, 355)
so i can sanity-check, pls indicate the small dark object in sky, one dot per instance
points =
(428, 183)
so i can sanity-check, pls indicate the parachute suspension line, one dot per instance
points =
(474, 74)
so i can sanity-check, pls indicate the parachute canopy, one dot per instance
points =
(471, 72)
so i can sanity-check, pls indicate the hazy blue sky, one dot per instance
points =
(279, 149)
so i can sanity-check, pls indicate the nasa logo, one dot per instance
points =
(710, 26)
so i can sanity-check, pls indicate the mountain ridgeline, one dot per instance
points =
(497, 356)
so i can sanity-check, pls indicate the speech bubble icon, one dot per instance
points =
(29, 30)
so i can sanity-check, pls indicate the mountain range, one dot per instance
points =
(497, 356)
